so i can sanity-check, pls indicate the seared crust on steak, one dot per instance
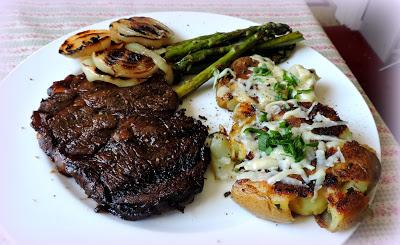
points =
(127, 148)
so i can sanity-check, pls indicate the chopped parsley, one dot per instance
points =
(263, 117)
(312, 144)
(290, 78)
(254, 130)
(295, 148)
(303, 91)
(292, 145)
(262, 142)
(284, 90)
(281, 90)
(261, 71)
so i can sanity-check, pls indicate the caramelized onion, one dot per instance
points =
(157, 59)
(124, 63)
(85, 43)
(94, 74)
(144, 30)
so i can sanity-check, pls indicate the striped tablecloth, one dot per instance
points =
(27, 25)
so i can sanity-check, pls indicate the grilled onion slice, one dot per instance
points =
(85, 43)
(144, 30)
(124, 63)
(94, 74)
(158, 60)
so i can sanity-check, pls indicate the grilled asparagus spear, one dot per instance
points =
(236, 50)
(175, 52)
(185, 64)
(277, 55)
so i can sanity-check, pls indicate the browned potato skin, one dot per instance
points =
(228, 101)
(349, 205)
(243, 114)
(241, 67)
(340, 131)
(257, 197)
(361, 164)
(344, 210)
(346, 185)
(346, 206)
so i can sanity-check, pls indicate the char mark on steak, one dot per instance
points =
(128, 148)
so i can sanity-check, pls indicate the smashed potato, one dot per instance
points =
(298, 158)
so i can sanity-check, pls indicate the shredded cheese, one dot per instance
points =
(278, 165)
(260, 89)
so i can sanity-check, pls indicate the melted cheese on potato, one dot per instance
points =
(278, 164)
(266, 83)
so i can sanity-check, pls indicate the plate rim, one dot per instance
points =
(4, 81)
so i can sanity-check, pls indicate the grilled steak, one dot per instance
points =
(128, 148)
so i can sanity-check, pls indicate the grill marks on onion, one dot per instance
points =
(149, 31)
(85, 43)
(124, 63)
(121, 55)
(92, 74)
(143, 30)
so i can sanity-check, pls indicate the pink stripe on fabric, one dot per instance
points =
(324, 47)
(351, 75)
(391, 152)
(383, 129)
(312, 35)
(337, 61)
(106, 13)
(70, 24)
(302, 26)
(60, 14)
(283, 4)
(26, 36)
(16, 50)
(388, 179)
(387, 210)
(50, 26)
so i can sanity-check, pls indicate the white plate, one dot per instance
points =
(41, 206)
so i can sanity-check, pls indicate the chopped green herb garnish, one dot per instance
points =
(290, 78)
(286, 128)
(282, 124)
(304, 91)
(254, 130)
(281, 91)
(258, 79)
(295, 148)
(285, 90)
(262, 142)
(263, 117)
(312, 144)
(279, 87)
(269, 150)
(261, 71)
(290, 92)
(274, 133)
(292, 145)
(279, 97)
